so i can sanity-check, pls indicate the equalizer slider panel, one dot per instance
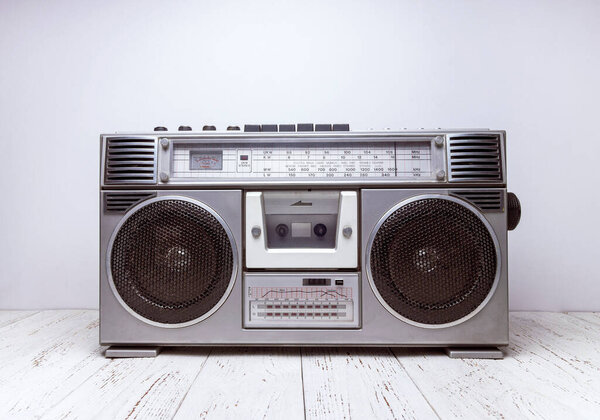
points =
(281, 300)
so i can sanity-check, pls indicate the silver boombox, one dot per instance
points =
(304, 236)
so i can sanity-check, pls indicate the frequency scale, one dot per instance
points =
(398, 160)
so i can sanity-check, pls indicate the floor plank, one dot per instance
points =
(8, 317)
(48, 361)
(550, 371)
(359, 384)
(134, 388)
(249, 383)
(591, 317)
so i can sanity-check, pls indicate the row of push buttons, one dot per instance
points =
(269, 128)
(274, 128)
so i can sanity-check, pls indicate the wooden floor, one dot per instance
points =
(51, 366)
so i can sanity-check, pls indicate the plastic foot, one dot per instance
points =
(474, 353)
(118, 351)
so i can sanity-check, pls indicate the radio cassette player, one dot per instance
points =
(304, 235)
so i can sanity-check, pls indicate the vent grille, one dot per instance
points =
(130, 161)
(122, 201)
(475, 158)
(484, 199)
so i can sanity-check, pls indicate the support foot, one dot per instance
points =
(474, 353)
(122, 351)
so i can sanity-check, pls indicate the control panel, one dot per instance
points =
(301, 300)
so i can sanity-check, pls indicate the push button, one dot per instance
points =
(306, 127)
(252, 128)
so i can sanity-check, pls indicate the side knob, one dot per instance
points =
(513, 210)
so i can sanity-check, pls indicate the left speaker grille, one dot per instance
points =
(130, 161)
(171, 261)
(433, 261)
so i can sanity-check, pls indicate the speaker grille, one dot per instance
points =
(130, 160)
(474, 158)
(171, 261)
(433, 261)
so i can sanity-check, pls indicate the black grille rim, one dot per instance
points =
(234, 266)
(420, 197)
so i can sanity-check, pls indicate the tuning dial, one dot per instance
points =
(184, 128)
(320, 230)
(513, 210)
(282, 230)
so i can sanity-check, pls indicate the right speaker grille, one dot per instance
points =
(433, 261)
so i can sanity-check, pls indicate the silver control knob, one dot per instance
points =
(164, 177)
(439, 141)
(440, 175)
(347, 232)
(256, 231)
(164, 143)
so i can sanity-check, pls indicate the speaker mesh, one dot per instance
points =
(171, 261)
(433, 261)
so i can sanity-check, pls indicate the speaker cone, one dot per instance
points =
(172, 261)
(433, 261)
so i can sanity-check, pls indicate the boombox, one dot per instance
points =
(304, 235)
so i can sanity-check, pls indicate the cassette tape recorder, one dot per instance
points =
(304, 235)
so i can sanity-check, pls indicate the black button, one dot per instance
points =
(184, 128)
(323, 127)
(209, 128)
(252, 128)
(282, 230)
(306, 127)
(160, 128)
(269, 128)
(287, 128)
(341, 127)
(320, 230)
(233, 128)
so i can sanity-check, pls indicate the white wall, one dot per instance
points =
(72, 69)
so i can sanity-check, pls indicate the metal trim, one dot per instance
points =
(456, 200)
(234, 272)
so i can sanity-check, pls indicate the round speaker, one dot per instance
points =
(433, 261)
(172, 261)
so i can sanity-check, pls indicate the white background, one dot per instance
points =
(70, 70)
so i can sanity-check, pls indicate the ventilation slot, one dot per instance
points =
(130, 161)
(121, 202)
(485, 200)
(475, 158)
